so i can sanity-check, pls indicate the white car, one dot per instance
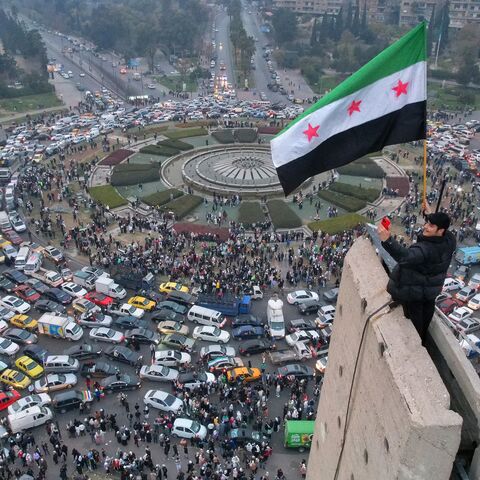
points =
(105, 334)
(474, 303)
(163, 401)
(7, 347)
(82, 74)
(214, 351)
(171, 358)
(468, 325)
(158, 373)
(186, 428)
(73, 289)
(211, 334)
(460, 313)
(129, 310)
(55, 381)
(40, 400)
(18, 224)
(465, 294)
(450, 284)
(302, 336)
(151, 86)
(301, 296)
(3, 325)
(15, 304)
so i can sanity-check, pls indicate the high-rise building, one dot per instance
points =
(464, 12)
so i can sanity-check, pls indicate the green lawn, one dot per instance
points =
(186, 132)
(337, 224)
(107, 195)
(282, 215)
(30, 102)
(161, 198)
(325, 83)
(449, 97)
(175, 83)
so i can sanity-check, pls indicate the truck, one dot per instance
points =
(59, 326)
(299, 434)
(468, 255)
(109, 287)
(228, 305)
(135, 282)
(84, 279)
(299, 351)
(276, 322)
(50, 277)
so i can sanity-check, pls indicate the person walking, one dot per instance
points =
(418, 277)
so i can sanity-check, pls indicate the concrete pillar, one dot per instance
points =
(399, 423)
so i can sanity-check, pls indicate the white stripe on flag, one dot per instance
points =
(378, 99)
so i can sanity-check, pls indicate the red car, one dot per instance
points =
(26, 292)
(99, 299)
(7, 398)
(14, 237)
(448, 305)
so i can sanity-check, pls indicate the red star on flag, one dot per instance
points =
(311, 132)
(400, 88)
(354, 107)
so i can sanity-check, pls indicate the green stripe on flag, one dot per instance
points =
(407, 51)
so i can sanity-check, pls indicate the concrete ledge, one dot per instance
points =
(400, 425)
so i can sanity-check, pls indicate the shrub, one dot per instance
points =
(363, 167)
(132, 174)
(224, 135)
(250, 213)
(161, 198)
(107, 195)
(338, 224)
(245, 135)
(367, 194)
(175, 144)
(348, 203)
(182, 205)
(185, 133)
(282, 215)
(158, 150)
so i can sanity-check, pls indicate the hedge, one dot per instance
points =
(337, 224)
(175, 144)
(159, 150)
(250, 213)
(161, 198)
(132, 174)
(363, 167)
(367, 194)
(197, 123)
(282, 215)
(185, 133)
(348, 203)
(182, 205)
(107, 195)
(224, 135)
(246, 135)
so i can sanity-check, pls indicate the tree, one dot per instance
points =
(356, 20)
(468, 72)
(284, 23)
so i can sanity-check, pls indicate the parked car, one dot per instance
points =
(186, 428)
(158, 373)
(105, 334)
(171, 358)
(142, 335)
(460, 313)
(36, 399)
(163, 401)
(309, 307)
(248, 331)
(20, 336)
(216, 350)
(119, 383)
(301, 296)
(247, 319)
(193, 380)
(122, 354)
(465, 294)
(211, 334)
(7, 347)
(301, 324)
(83, 351)
(297, 370)
(254, 346)
(55, 381)
(49, 306)
(169, 326)
(58, 296)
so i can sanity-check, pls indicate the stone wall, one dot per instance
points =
(399, 423)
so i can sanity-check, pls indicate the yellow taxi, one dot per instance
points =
(29, 366)
(24, 321)
(4, 242)
(243, 374)
(16, 379)
(172, 287)
(142, 302)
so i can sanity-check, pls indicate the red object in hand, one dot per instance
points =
(386, 223)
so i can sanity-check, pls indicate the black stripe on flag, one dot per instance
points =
(405, 125)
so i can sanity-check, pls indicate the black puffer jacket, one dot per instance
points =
(421, 268)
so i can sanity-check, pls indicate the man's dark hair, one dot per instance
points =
(440, 219)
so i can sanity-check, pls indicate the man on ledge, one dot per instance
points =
(418, 277)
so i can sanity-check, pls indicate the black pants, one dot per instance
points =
(420, 313)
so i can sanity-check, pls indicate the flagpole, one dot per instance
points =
(424, 196)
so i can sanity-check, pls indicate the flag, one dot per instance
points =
(383, 103)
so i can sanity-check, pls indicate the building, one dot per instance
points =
(412, 12)
(388, 408)
(464, 12)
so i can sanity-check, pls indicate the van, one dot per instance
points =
(9, 195)
(29, 418)
(299, 434)
(34, 263)
(206, 316)
(5, 221)
(61, 364)
(22, 258)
